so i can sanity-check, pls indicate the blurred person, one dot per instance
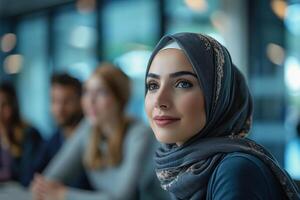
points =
(200, 109)
(292, 155)
(111, 147)
(66, 110)
(19, 141)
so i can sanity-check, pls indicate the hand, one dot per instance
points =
(37, 187)
(43, 189)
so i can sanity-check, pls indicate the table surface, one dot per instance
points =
(12, 191)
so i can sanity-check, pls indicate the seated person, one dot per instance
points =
(19, 141)
(114, 150)
(67, 112)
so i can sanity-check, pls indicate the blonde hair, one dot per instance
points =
(119, 85)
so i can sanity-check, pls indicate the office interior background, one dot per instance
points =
(40, 37)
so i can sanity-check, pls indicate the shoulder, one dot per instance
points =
(83, 127)
(138, 129)
(54, 139)
(241, 175)
(242, 163)
(138, 136)
(32, 133)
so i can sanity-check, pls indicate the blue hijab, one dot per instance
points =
(185, 170)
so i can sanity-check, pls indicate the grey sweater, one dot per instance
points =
(133, 178)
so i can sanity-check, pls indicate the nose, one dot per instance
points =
(163, 99)
(89, 98)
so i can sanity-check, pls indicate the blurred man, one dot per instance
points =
(67, 112)
(65, 103)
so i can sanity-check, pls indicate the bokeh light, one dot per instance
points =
(8, 42)
(13, 63)
(275, 53)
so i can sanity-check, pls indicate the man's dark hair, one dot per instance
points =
(65, 79)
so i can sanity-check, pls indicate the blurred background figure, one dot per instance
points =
(117, 151)
(19, 142)
(67, 113)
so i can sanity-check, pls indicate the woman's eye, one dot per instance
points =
(184, 84)
(152, 86)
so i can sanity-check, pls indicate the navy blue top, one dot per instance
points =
(243, 176)
(22, 168)
(48, 152)
(49, 149)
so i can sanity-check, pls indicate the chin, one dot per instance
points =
(163, 139)
(61, 123)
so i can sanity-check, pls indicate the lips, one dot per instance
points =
(165, 120)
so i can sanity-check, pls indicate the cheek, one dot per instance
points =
(149, 106)
(84, 103)
(99, 107)
(105, 103)
(106, 106)
(74, 103)
(71, 109)
(192, 107)
(7, 112)
(88, 106)
(53, 106)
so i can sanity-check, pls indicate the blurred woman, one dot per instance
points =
(19, 142)
(200, 108)
(113, 152)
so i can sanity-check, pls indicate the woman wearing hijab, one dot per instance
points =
(200, 109)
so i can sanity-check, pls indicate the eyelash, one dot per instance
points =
(189, 84)
(154, 85)
(150, 86)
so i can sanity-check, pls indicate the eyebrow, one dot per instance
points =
(182, 73)
(152, 75)
(173, 75)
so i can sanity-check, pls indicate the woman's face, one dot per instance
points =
(174, 101)
(98, 102)
(6, 110)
